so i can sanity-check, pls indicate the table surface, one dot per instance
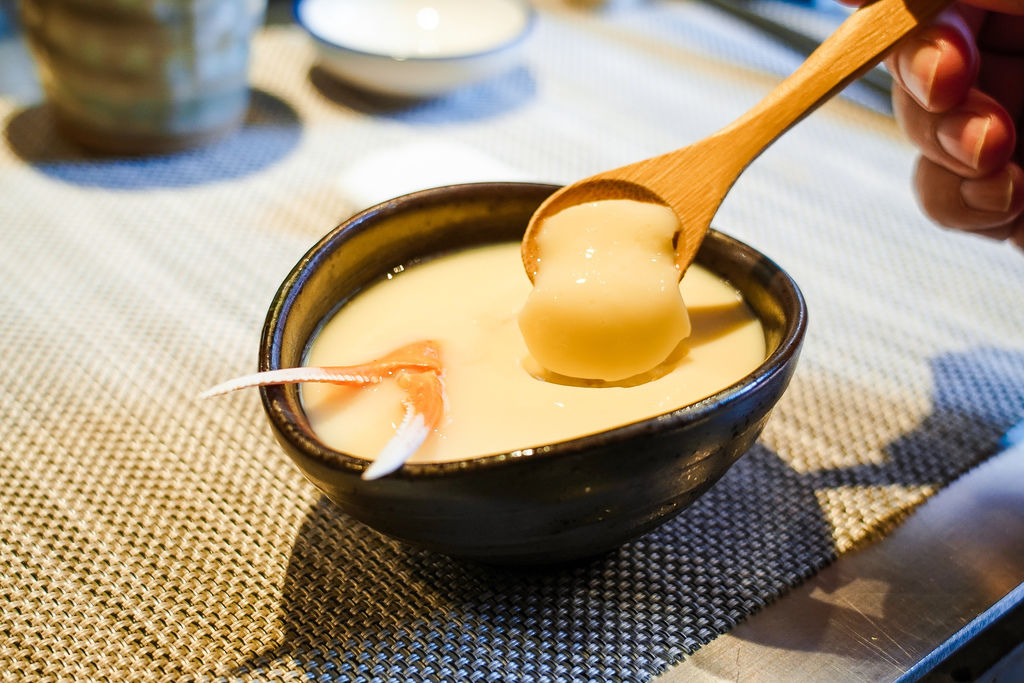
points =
(146, 536)
(899, 607)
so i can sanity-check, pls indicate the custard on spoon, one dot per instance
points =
(606, 305)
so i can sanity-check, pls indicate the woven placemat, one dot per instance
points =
(146, 536)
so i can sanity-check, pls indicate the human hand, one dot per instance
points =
(959, 96)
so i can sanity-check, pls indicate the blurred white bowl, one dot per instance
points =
(416, 48)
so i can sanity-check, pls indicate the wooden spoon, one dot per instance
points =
(694, 180)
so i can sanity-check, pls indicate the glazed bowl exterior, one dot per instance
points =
(545, 504)
(153, 77)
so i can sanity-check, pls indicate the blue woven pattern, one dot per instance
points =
(146, 536)
(270, 132)
(358, 607)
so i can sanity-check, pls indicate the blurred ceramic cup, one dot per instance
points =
(143, 76)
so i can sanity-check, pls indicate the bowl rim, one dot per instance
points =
(281, 402)
(529, 19)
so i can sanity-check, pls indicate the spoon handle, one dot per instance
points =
(694, 180)
(857, 45)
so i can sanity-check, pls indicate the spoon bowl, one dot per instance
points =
(693, 181)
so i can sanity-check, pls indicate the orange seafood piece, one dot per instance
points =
(417, 369)
(424, 407)
(421, 355)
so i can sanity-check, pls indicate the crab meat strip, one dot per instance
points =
(291, 375)
(422, 355)
(424, 407)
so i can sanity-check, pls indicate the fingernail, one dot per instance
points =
(994, 193)
(918, 71)
(962, 136)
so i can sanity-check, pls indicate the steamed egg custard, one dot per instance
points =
(605, 303)
(499, 398)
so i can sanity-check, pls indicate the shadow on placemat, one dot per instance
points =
(270, 132)
(489, 98)
(977, 395)
(356, 604)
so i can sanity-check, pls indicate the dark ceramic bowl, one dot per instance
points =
(549, 504)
